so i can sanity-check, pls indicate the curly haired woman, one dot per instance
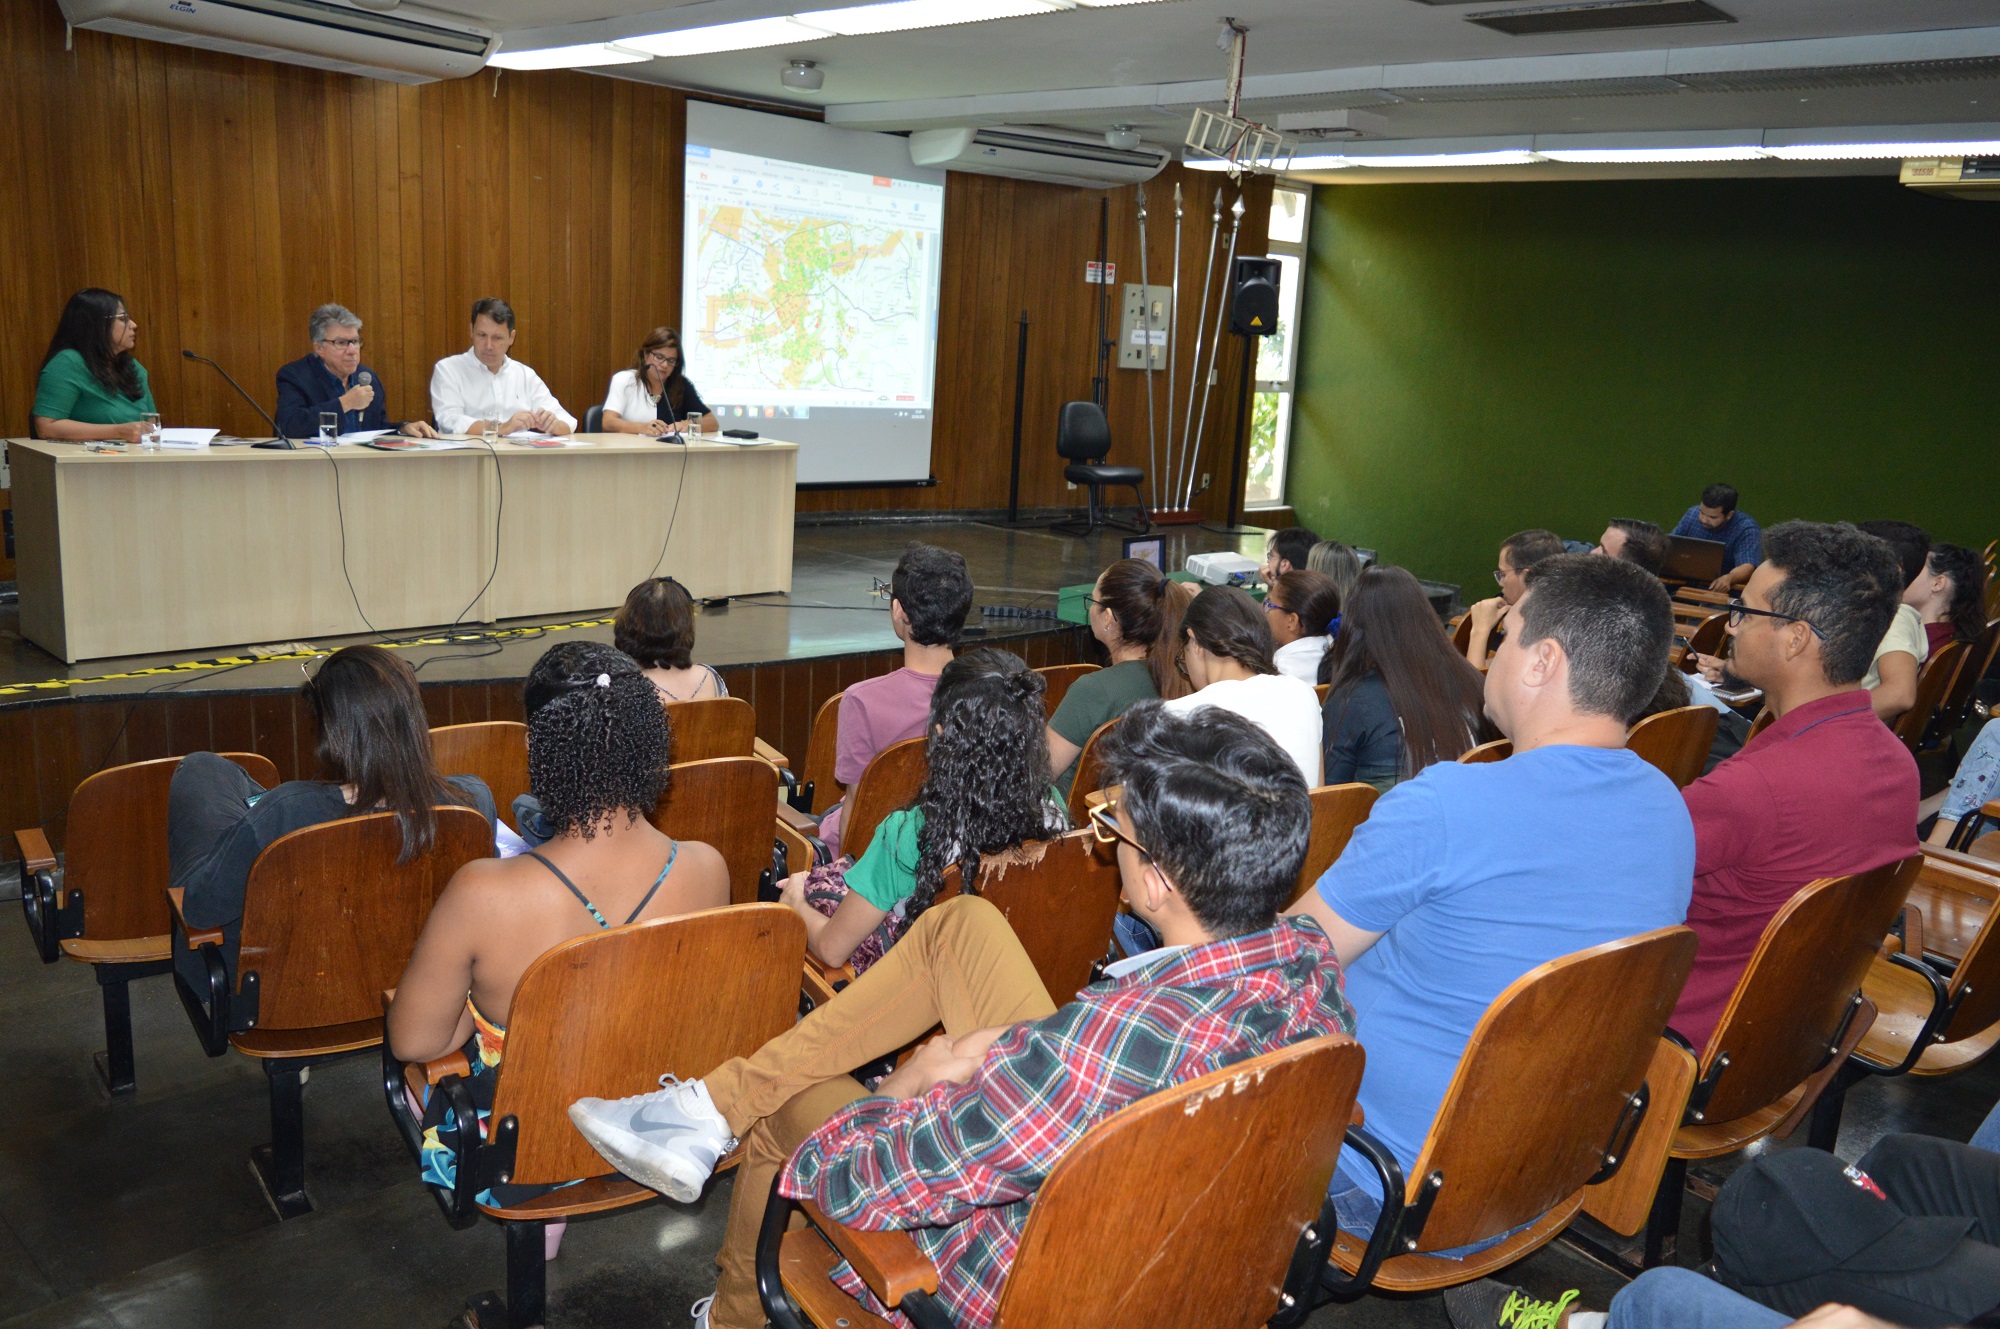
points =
(598, 750)
(987, 791)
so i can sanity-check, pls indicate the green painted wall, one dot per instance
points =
(1479, 358)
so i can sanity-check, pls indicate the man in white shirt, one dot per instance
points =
(483, 386)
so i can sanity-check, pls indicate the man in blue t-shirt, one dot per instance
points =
(1716, 518)
(1466, 877)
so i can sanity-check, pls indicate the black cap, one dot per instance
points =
(1802, 1212)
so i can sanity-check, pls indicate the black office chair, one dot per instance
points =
(1083, 436)
(593, 420)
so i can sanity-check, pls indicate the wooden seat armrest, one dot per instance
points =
(759, 748)
(1913, 931)
(888, 1262)
(1991, 809)
(36, 856)
(797, 820)
(820, 982)
(1984, 878)
(451, 1063)
(196, 937)
(1355, 1118)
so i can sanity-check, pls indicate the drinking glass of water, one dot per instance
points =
(149, 432)
(490, 431)
(329, 428)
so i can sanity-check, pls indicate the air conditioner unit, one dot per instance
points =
(1960, 177)
(408, 46)
(1036, 154)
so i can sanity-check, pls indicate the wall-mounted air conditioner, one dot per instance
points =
(408, 46)
(1036, 154)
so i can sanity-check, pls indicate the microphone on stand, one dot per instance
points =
(280, 441)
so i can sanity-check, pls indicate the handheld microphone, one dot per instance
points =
(363, 379)
(281, 441)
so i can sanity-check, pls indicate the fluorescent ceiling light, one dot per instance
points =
(1827, 152)
(568, 57)
(905, 15)
(748, 35)
(1321, 162)
(1621, 155)
(850, 21)
(1503, 157)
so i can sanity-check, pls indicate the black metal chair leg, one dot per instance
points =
(527, 1274)
(281, 1164)
(114, 1064)
(1663, 1224)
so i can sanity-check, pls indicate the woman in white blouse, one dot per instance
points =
(654, 396)
(1303, 610)
(1226, 654)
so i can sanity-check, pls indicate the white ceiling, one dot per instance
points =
(1149, 65)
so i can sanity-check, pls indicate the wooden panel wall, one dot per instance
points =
(225, 197)
(52, 746)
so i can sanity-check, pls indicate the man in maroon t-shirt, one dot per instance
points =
(1827, 789)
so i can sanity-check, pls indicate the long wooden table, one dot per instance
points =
(136, 553)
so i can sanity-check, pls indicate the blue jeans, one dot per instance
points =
(1673, 1298)
(1357, 1212)
(1987, 1137)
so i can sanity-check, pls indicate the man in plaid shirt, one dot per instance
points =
(1211, 831)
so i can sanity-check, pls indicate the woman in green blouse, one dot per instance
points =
(91, 387)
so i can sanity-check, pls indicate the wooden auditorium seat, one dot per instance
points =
(1676, 741)
(1797, 1012)
(1060, 897)
(1709, 637)
(1498, 750)
(1507, 1150)
(1337, 809)
(1927, 1024)
(818, 791)
(1114, 1213)
(1934, 681)
(329, 920)
(106, 907)
(729, 804)
(1950, 900)
(603, 1015)
(1089, 772)
(1059, 678)
(712, 727)
(494, 750)
(890, 782)
(1956, 708)
(1461, 638)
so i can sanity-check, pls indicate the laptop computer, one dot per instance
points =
(1690, 559)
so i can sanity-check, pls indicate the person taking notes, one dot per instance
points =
(90, 386)
(654, 396)
(483, 386)
(332, 380)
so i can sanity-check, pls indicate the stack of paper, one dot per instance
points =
(189, 439)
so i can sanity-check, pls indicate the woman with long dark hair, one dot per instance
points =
(1135, 614)
(986, 793)
(1303, 610)
(91, 387)
(598, 753)
(654, 395)
(1401, 696)
(1226, 653)
(1950, 596)
(374, 755)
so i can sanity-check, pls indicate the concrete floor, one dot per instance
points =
(144, 1212)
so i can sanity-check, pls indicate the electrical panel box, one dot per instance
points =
(1144, 316)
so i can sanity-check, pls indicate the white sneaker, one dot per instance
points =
(700, 1312)
(668, 1140)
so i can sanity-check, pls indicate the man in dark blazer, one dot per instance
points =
(332, 378)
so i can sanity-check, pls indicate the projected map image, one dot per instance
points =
(808, 286)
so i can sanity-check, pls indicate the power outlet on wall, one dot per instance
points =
(1204, 479)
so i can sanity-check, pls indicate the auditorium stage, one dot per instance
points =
(831, 611)
(784, 653)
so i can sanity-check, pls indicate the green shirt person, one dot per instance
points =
(90, 386)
